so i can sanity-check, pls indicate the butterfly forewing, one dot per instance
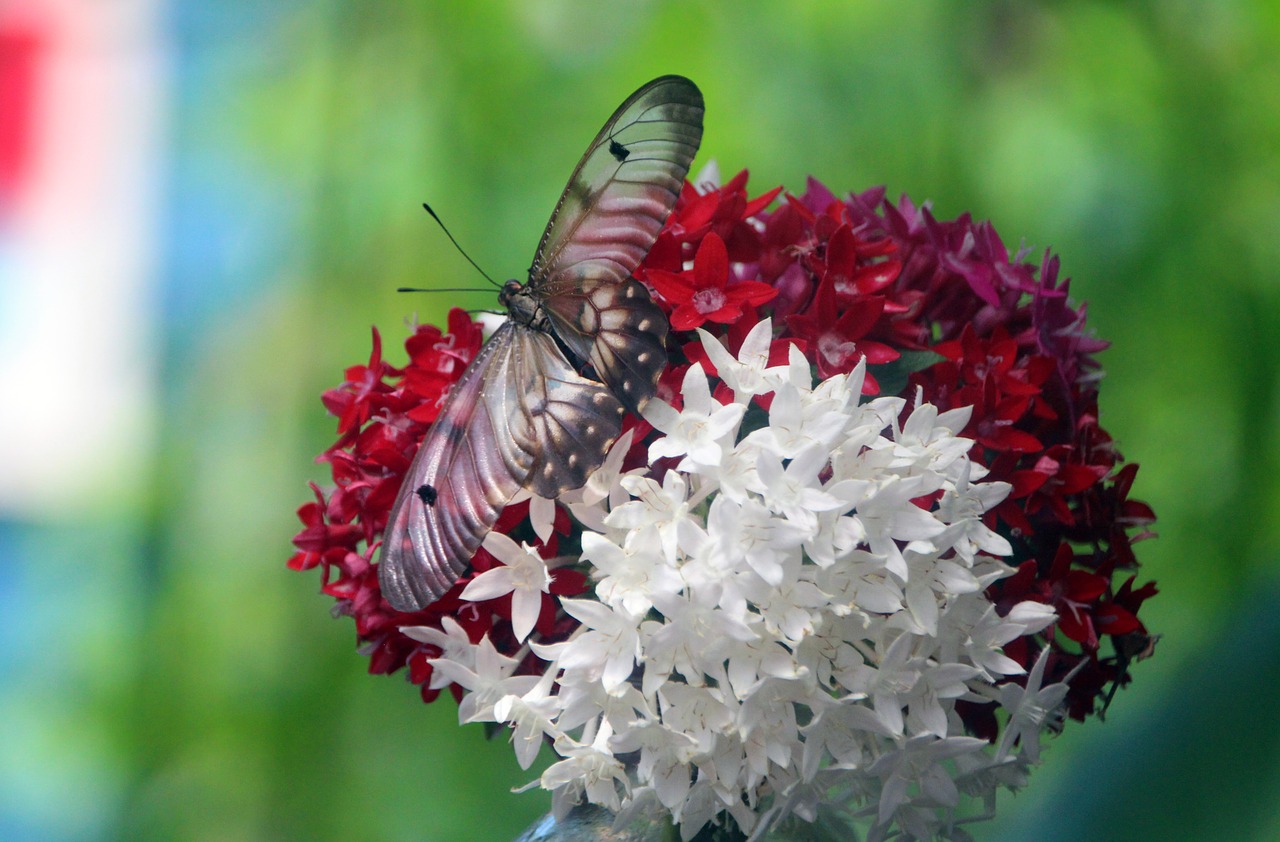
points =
(520, 417)
(471, 463)
(623, 188)
(607, 219)
(523, 416)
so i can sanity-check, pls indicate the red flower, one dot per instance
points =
(725, 211)
(706, 292)
(838, 338)
(358, 398)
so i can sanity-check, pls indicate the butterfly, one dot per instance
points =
(544, 398)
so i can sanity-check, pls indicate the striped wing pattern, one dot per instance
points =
(522, 416)
(425, 550)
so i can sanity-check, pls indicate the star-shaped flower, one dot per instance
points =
(695, 431)
(523, 574)
(707, 292)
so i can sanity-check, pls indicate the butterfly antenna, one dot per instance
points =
(461, 251)
(441, 289)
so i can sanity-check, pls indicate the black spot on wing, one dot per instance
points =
(427, 494)
(618, 151)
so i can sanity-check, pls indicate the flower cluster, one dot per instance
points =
(790, 610)
(869, 543)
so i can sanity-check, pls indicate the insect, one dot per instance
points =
(544, 398)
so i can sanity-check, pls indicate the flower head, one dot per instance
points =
(865, 541)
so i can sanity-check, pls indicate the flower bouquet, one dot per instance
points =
(865, 547)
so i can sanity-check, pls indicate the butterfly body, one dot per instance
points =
(522, 306)
(544, 398)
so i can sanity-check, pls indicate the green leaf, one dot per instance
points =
(893, 376)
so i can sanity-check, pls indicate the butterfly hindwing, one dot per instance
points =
(570, 420)
(618, 329)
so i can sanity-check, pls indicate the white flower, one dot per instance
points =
(928, 440)
(749, 531)
(542, 514)
(843, 732)
(755, 660)
(793, 491)
(489, 680)
(887, 680)
(793, 611)
(454, 645)
(933, 696)
(666, 507)
(749, 371)
(700, 713)
(931, 580)
(1030, 709)
(695, 431)
(532, 715)
(917, 766)
(523, 575)
(965, 504)
(708, 178)
(693, 640)
(630, 575)
(591, 769)
(989, 633)
(861, 583)
(605, 646)
(886, 516)
(798, 422)
(665, 754)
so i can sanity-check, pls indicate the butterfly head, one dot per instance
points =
(511, 288)
(521, 304)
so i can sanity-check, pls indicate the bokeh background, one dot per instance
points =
(205, 206)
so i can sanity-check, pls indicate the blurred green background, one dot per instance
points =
(165, 677)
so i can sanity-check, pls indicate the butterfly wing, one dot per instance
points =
(624, 187)
(616, 328)
(570, 420)
(520, 416)
(606, 221)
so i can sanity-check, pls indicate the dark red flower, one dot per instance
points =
(356, 400)
(837, 336)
